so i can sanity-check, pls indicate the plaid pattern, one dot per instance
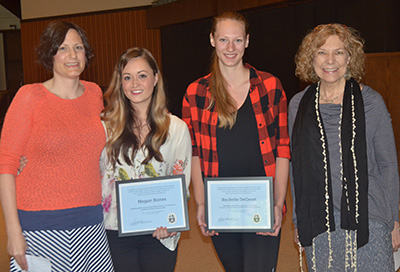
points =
(270, 108)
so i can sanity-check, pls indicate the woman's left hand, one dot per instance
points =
(23, 161)
(396, 236)
(278, 223)
(162, 232)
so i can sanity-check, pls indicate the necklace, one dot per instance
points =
(141, 126)
(330, 100)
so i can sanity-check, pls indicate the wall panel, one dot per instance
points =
(382, 74)
(49, 8)
(275, 35)
(109, 34)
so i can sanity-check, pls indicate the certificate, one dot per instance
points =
(396, 256)
(35, 264)
(239, 204)
(146, 204)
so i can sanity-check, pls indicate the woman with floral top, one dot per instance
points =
(143, 141)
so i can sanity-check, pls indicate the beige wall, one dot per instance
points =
(7, 19)
(31, 9)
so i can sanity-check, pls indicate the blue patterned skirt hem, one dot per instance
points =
(83, 249)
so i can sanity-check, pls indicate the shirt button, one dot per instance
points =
(262, 142)
(266, 161)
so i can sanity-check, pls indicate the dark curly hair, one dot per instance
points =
(51, 39)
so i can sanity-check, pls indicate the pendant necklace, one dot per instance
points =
(331, 100)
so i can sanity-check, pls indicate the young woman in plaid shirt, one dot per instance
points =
(237, 117)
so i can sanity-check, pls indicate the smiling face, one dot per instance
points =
(230, 41)
(331, 60)
(138, 81)
(70, 59)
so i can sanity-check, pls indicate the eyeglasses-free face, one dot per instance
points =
(331, 60)
(230, 41)
(138, 82)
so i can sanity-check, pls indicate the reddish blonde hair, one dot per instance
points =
(224, 103)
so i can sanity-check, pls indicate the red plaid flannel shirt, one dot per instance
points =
(270, 107)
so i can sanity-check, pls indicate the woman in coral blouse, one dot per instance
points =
(53, 208)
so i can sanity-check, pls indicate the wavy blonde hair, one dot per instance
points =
(317, 37)
(120, 117)
(225, 105)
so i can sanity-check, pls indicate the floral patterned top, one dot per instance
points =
(177, 154)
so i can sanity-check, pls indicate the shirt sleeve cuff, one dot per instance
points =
(283, 152)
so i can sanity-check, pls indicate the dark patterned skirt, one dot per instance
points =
(83, 248)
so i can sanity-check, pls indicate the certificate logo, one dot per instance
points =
(256, 218)
(171, 218)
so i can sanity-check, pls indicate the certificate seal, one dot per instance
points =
(256, 218)
(171, 218)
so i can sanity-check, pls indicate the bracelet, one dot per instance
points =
(396, 229)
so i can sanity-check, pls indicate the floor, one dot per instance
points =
(196, 253)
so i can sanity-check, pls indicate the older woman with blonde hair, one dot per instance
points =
(344, 166)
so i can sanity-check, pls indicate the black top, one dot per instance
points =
(239, 153)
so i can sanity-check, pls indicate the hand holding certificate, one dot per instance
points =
(146, 204)
(239, 204)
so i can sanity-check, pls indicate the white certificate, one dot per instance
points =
(146, 204)
(396, 256)
(36, 264)
(239, 204)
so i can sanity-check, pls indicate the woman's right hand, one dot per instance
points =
(16, 243)
(162, 233)
(16, 247)
(201, 221)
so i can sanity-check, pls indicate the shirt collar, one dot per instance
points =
(255, 79)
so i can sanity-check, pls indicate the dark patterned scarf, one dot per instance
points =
(311, 167)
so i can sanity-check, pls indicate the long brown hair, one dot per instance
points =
(225, 105)
(120, 117)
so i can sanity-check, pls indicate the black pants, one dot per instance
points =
(140, 254)
(247, 252)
